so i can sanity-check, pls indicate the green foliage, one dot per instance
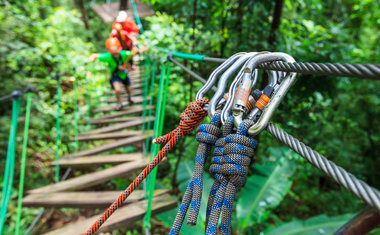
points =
(320, 224)
(184, 173)
(263, 191)
(337, 117)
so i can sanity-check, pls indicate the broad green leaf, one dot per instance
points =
(320, 224)
(264, 191)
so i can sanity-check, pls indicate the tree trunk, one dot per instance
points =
(223, 25)
(239, 22)
(123, 5)
(275, 22)
(83, 10)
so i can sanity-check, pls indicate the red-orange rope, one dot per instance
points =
(190, 118)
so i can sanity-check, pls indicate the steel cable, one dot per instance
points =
(371, 71)
(361, 189)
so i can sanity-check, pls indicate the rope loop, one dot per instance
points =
(232, 156)
(207, 135)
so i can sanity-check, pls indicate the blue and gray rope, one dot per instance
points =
(207, 135)
(232, 157)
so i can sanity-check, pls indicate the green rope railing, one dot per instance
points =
(76, 116)
(23, 161)
(185, 56)
(88, 102)
(150, 105)
(57, 126)
(146, 90)
(158, 126)
(136, 12)
(10, 161)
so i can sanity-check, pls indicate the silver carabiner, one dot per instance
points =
(277, 96)
(242, 100)
(223, 82)
(214, 75)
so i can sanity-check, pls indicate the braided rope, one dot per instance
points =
(232, 157)
(207, 135)
(359, 188)
(342, 70)
(190, 118)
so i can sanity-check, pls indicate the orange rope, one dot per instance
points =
(190, 118)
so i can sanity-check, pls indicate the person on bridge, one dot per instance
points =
(125, 29)
(117, 60)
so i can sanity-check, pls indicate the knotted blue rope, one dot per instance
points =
(232, 157)
(207, 135)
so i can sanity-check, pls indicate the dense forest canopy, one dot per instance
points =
(336, 116)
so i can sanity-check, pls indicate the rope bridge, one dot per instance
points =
(233, 142)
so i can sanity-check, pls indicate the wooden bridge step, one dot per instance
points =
(133, 86)
(99, 160)
(114, 120)
(126, 111)
(117, 127)
(83, 199)
(109, 146)
(105, 136)
(109, 108)
(123, 97)
(90, 179)
(127, 214)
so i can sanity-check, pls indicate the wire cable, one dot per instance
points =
(359, 188)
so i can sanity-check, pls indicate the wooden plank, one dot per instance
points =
(108, 12)
(105, 136)
(109, 108)
(90, 179)
(123, 97)
(115, 120)
(109, 146)
(124, 215)
(133, 86)
(127, 111)
(117, 127)
(98, 160)
(84, 199)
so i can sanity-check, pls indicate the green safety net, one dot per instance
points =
(10, 163)
(157, 131)
(57, 139)
(23, 161)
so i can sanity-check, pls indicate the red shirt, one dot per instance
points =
(128, 25)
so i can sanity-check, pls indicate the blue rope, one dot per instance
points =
(232, 157)
(207, 135)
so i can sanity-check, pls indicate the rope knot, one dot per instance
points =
(207, 135)
(232, 156)
(190, 118)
